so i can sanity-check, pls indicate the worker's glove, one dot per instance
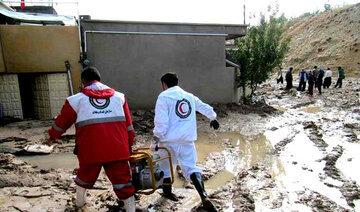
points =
(154, 144)
(214, 124)
(49, 142)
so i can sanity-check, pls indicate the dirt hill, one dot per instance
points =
(329, 39)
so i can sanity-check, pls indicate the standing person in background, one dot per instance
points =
(175, 129)
(311, 83)
(316, 74)
(327, 80)
(280, 77)
(104, 134)
(303, 79)
(289, 79)
(341, 77)
(319, 80)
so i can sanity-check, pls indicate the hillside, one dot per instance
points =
(329, 39)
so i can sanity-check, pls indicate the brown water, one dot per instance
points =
(311, 109)
(63, 160)
(240, 152)
(279, 108)
(252, 150)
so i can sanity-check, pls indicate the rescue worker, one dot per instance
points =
(104, 134)
(175, 129)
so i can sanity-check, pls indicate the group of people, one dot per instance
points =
(317, 78)
(105, 134)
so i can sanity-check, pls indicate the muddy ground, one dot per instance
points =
(294, 153)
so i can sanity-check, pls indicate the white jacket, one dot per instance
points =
(175, 115)
(328, 73)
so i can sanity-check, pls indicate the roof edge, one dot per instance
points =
(163, 23)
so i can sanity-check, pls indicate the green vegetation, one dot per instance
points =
(260, 52)
(327, 7)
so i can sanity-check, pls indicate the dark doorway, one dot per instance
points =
(26, 85)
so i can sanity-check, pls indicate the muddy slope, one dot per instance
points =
(330, 39)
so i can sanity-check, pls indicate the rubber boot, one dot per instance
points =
(80, 196)
(129, 204)
(199, 185)
(167, 190)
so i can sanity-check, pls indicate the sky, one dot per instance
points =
(192, 11)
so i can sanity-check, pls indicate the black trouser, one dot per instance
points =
(280, 80)
(302, 85)
(327, 82)
(339, 83)
(311, 88)
(288, 84)
(319, 85)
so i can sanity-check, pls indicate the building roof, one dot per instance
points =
(231, 31)
(13, 17)
(36, 9)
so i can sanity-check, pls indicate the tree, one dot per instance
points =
(260, 51)
(327, 7)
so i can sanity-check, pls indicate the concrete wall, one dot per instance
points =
(58, 92)
(42, 108)
(134, 63)
(40, 49)
(10, 95)
(50, 93)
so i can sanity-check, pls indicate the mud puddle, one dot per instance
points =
(313, 109)
(230, 152)
(296, 168)
(55, 161)
(279, 108)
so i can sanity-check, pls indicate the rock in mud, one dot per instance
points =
(318, 202)
(17, 140)
(10, 150)
(350, 190)
(330, 163)
(260, 109)
(213, 164)
(302, 104)
(237, 192)
(143, 121)
(280, 146)
(351, 125)
(315, 136)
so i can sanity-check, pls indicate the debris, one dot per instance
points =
(38, 149)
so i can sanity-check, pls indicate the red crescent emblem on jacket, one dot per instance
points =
(181, 109)
(99, 102)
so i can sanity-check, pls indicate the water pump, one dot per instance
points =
(146, 173)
